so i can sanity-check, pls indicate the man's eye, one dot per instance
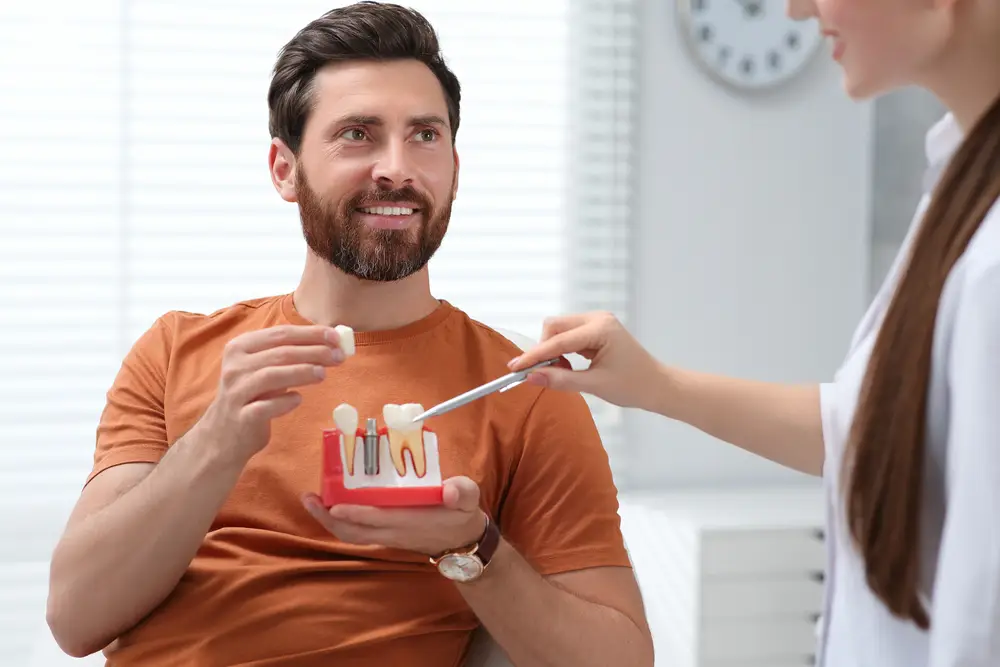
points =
(427, 135)
(354, 134)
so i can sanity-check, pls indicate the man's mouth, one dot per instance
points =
(388, 210)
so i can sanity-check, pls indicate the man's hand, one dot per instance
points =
(259, 371)
(457, 523)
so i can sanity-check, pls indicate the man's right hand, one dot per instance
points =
(259, 371)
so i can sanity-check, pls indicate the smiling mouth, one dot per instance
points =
(388, 210)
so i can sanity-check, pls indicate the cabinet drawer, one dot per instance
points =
(761, 597)
(746, 640)
(756, 552)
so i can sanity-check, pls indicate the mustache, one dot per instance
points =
(406, 193)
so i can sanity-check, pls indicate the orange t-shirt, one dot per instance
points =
(269, 585)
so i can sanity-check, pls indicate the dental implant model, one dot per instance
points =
(393, 466)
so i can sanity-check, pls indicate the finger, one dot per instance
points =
(290, 355)
(460, 493)
(364, 515)
(273, 407)
(287, 334)
(345, 531)
(562, 379)
(583, 340)
(556, 325)
(276, 378)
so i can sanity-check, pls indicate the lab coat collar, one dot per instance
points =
(941, 142)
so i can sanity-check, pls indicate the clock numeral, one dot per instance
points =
(792, 39)
(699, 5)
(724, 54)
(705, 33)
(774, 60)
(747, 66)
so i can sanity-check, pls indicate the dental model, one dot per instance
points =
(393, 466)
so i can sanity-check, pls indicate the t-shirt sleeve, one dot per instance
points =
(561, 509)
(132, 427)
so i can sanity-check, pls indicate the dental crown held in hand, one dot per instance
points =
(396, 465)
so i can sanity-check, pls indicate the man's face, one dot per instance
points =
(377, 170)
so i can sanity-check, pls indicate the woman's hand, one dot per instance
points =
(621, 370)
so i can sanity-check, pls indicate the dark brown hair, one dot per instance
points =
(374, 31)
(886, 457)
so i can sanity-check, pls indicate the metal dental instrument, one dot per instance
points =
(502, 384)
(371, 447)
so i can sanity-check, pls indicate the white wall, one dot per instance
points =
(752, 241)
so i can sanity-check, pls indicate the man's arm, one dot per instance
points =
(129, 540)
(136, 527)
(587, 617)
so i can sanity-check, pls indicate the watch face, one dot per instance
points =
(748, 44)
(460, 567)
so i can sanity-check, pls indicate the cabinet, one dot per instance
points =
(729, 579)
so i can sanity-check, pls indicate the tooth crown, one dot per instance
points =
(346, 335)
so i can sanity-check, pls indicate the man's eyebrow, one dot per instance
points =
(356, 119)
(360, 119)
(429, 119)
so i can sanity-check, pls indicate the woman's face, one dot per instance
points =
(881, 44)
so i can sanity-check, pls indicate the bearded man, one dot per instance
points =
(199, 537)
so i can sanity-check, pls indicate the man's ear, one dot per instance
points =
(454, 187)
(282, 165)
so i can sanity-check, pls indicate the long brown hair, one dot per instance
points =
(884, 466)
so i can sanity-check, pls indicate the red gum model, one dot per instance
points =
(334, 492)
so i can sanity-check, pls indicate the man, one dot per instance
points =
(199, 538)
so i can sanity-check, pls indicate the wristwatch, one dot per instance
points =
(468, 564)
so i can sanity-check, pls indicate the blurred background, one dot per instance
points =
(601, 169)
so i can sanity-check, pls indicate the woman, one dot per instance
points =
(907, 435)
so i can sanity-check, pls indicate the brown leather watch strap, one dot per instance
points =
(489, 542)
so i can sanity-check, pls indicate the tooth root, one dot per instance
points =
(402, 443)
(405, 437)
(346, 418)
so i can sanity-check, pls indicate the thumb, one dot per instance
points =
(561, 379)
(461, 493)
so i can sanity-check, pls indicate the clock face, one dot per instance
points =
(748, 44)
(460, 567)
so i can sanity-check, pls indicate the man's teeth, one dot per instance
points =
(346, 418)
(405, 435)
(388, 210)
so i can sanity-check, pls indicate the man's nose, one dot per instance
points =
(392, 166)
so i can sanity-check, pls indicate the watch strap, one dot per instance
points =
(489, 542)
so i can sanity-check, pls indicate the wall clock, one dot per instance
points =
(747, 44)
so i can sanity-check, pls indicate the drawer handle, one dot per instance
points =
(819, 534)
(818, 576)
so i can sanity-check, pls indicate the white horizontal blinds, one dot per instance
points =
(603, 87)
(59, 239)
(204, 227)
(503, 260)
(59, 286)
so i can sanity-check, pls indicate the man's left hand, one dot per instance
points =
(457, 523)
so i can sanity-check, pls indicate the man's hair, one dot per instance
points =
(373, 31)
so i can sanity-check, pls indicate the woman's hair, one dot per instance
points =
(884, 466)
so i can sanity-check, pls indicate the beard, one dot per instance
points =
(335, 233)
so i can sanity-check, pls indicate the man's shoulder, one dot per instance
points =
(178, 330)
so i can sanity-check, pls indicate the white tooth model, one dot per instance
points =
(396, 465)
